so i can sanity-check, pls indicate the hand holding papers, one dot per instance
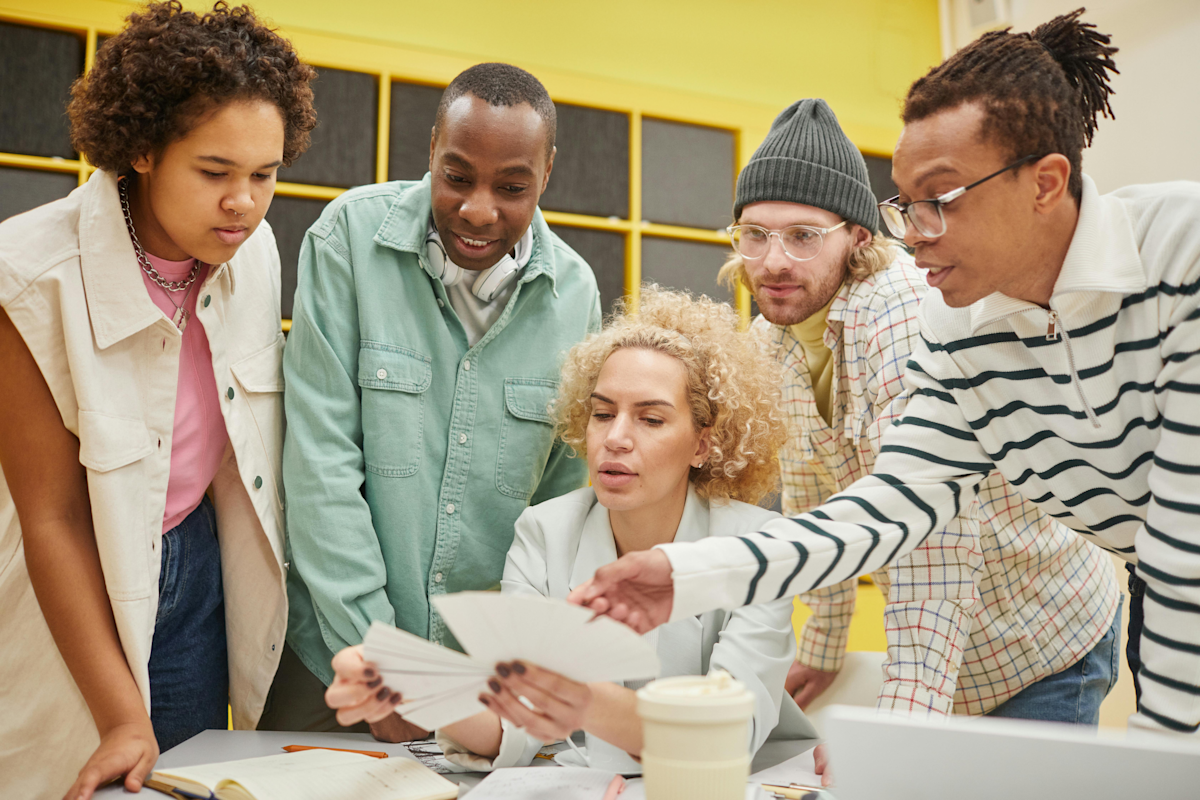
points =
(440, 686)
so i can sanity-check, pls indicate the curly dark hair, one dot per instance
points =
(152, 80)
(1041, 92)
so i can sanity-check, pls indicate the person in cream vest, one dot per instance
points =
(678, 415)
(141, 414)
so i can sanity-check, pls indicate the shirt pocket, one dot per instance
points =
(393, 382)
(115, 448)
(261, 377)
(526, 434)
(108, 442)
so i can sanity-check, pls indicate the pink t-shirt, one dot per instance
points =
(199, 438)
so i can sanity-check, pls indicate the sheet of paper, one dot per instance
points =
(553, 634)
(269, 766)
(441, 686)
(543, 783)
(383, 779)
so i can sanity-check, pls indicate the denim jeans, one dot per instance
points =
(189, 670)
(1133, 645)
(1075, 693)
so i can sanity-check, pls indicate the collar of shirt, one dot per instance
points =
(406, 228)
(117, 301)
(1103, 258)
(598, 546)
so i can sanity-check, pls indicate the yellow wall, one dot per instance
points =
(732, 64)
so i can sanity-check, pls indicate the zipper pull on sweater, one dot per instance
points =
(1052, 329)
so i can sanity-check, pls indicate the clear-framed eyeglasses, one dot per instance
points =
(926, 215)
(800, 242)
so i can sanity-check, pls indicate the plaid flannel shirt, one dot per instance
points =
(1003, 598)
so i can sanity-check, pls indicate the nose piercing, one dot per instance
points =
(236, 214)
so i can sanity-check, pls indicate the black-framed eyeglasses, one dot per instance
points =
(800, 242)
(926, 215)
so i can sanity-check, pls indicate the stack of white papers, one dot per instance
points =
(441, 686)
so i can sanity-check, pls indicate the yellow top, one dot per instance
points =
(811, 335)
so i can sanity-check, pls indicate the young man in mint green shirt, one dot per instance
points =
(429, 323)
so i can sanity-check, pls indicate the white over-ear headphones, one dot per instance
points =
(488, 283)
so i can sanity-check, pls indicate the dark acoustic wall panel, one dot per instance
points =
(678, 264)
(23, 189)
(591, 169)
(687, 174)
(880, 171)
(605, 253)
(290, 218)
(414, 109)
(343, 143)
(37, 67)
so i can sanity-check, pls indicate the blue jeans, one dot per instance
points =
(1075, 693)
(189, 669)
(1133, 645)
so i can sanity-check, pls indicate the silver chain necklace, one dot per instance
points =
(180, 318)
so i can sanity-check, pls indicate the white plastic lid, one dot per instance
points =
(696, 699)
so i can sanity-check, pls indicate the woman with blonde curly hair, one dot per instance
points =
(678, 415)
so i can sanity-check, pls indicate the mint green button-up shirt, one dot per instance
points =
(409, 455)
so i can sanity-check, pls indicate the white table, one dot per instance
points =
(215, 746)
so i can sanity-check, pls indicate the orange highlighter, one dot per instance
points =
(296, 748)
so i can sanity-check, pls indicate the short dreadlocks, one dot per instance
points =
(1041, 92)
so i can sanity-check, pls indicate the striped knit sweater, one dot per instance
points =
(1090, 409)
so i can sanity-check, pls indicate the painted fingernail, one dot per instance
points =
(518, 668)
(369, 673)
(502, 670)
(396, 698)
(382, 693)
(483, 698)
(494, 685)
(375, 682)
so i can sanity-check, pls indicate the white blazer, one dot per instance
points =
(560, 544)
(70, 282)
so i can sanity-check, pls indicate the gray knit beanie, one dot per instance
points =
(806, 158)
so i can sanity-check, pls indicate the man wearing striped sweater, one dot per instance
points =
(1006, 612)
(1062, 350)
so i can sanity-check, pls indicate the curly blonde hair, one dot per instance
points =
(863, 262)
(733, 387)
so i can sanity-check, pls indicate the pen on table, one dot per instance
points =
(296, 748)
(795, 791)
(174, 791)
(615, 787)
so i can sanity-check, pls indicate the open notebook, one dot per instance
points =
(309, 775)
(440, 685)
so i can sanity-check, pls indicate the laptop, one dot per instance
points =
(885, 757)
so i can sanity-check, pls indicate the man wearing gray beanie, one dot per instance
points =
(1008, 619)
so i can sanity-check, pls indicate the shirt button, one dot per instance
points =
(467, 364)
(462, 438)
(258, 481)
(381, 374)
(229, 394)
(449, 508)
(437, 578)
(441, 303)
(207, 300)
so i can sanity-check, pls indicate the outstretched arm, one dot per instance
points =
(929, 467)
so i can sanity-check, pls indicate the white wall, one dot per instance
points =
(1157, 95)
